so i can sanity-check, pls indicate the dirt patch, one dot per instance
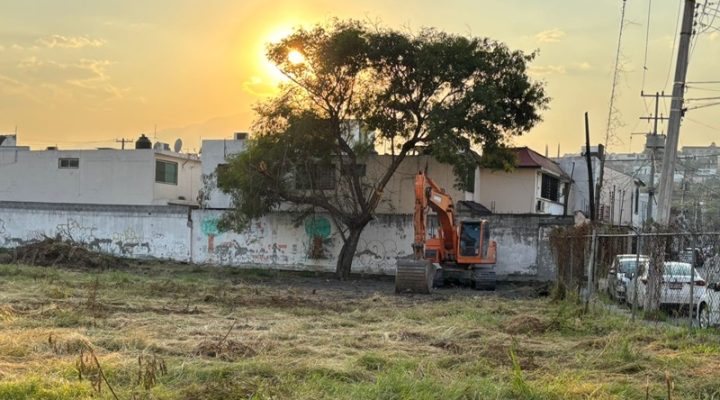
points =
(52, 252)
(448, 345)
(524, 325)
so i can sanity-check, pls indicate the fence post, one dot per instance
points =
(692, 282)
(635, 277)
(591, 270)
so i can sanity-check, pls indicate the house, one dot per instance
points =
(398, 195)
(213, 155)
(142, 176)
(623, 200)
(537, 185)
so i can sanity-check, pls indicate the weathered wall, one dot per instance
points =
(275, 241)
(131, 231)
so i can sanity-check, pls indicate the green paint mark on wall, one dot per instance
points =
(317, 226)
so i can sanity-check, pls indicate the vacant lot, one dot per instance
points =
(166, 332)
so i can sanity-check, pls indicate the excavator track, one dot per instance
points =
(414, 276)
(483, 277)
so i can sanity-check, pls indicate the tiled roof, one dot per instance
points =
(528, 158)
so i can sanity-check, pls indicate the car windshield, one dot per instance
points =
(629, 265)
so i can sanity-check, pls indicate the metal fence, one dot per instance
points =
(660, 275)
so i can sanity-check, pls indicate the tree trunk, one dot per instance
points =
(655, 274)
(347, 253)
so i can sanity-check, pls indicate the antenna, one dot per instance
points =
(178, 145)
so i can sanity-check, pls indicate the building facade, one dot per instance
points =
(537, 185)
(102, 176)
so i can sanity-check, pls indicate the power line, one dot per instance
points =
(703, 106)
(672, 50)
(647, 39)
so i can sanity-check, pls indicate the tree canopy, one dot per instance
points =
(360, 88)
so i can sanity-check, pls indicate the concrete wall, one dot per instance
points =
(131, 231)
(506, 192)
(275, 241)
(116, 177)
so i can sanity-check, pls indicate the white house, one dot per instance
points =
(537, 185)
(216, 153)
(623, 200)
(103, 176)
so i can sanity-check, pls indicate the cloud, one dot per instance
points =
(86, 78)
(550, 36)
(583, 66)
(257, 87)
(69, 42)
(542, 70)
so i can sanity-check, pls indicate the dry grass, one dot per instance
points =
(165, 332)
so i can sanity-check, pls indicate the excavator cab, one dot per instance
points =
(474, 244)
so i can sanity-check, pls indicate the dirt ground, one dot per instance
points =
(159, 331)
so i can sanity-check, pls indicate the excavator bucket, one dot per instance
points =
(414, 276)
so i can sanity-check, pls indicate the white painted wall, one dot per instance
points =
(215, 152)
(274, 241)
(103, 177)
(136, 232)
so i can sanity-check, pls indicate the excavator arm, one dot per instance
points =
(429, 195)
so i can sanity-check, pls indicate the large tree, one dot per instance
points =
(428, 91)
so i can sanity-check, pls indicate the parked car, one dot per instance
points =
(709, 307)
(621, 269)
(674, 287)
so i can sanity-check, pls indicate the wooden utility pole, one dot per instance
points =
(667, 173)
(122, 142)
(591, 181)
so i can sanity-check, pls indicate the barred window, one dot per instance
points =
(166, 172)
(318, 177)
(69, 163)
(550, 188)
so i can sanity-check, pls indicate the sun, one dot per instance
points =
(295, 57)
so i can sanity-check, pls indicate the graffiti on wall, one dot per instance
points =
(74, 231)
(318, 231)
(377, 255)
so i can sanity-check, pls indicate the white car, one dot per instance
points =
(621, 269)
(709, 307)
(674, 287)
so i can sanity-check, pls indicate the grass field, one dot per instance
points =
(181, 332)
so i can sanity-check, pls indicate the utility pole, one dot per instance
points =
(591, 181)
(122, 142)
(652, 144)
(676, 112)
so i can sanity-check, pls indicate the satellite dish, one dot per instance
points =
(178, 145)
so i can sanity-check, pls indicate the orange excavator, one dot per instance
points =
(459, 252)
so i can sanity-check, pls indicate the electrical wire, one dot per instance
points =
(672, 51)
(647, 39)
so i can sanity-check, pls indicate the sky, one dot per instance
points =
(83, 74)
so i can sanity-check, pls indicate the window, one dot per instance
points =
(69, 163)
(353, 169)
(166, 172)
(318, 177)
(550, 188)
(221, 172)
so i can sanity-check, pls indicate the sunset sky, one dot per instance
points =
(80, 74)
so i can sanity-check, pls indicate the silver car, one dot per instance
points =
(621, 269)
(709, 307)
(674, 287)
